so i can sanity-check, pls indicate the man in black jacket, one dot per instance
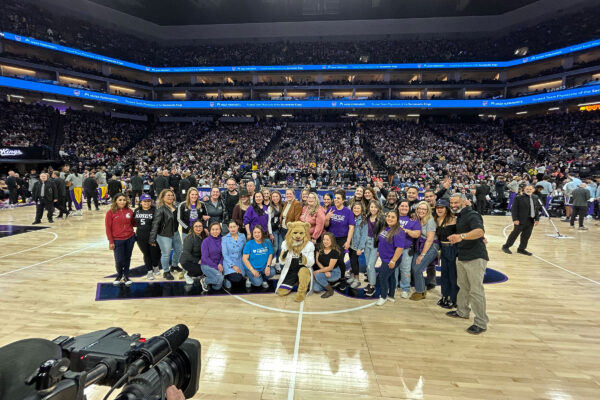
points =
(90, 186)
(481, 193)
(44, 195)
(161, 182)
(230, 197)
(137, 187)
(184, 186)
(114, 187)
(13, 187)
(61, 194)
(525, 215)
(174, 180)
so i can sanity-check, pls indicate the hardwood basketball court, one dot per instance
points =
(543, 340)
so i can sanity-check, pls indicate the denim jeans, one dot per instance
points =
(233, 277)
(278, 239)
(371, 257)
(404, 270)
(166, 244)
(419, 268)
(321, 281)
(122, 253)
(387, 280)
(214, 278)
(257, 281)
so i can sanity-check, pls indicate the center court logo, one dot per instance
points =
(76, 92)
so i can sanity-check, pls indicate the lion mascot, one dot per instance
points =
(298, 255)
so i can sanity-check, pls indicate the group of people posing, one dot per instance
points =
(237, 235)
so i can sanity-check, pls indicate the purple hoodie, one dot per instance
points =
(211, 252)
(252, 218)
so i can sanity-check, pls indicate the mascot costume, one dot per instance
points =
(298, 255)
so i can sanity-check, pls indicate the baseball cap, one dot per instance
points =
(145, 197)
(442, 203)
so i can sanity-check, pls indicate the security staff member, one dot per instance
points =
(472, 259)
(525, 215)
(44, 195)
(61, 193)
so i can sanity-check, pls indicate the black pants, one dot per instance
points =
(481, 203)
(523, 229)
(92, 196)
(151, 253)
(135, 193)
(354, 261)
(69, 200)
(193, 269)
(580, 211)
(340, 262)
(42, 205)
(123, 250)
(13, 196)
(61, 204)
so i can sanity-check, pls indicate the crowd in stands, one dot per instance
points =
(23, 125)
(30, 20)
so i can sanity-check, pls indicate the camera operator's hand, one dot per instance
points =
(111, 246)
(174, 394)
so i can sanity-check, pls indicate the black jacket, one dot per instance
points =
(90, 185)
(137, 183)
(143, 222)
(184, 186)
(164, 223)
(183, 216)
(114, 188)
(481, 191)
(160, 183)
(216, 213)
(521, 209)
(192, 249)
(174, 181)
(11, 182)
(230, 201)
(61, 187)
(50, 192)
(379, 226)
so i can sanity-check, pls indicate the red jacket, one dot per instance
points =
(119, 225)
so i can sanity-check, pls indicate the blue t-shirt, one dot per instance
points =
(387, 249)
(409, 225)
(340, 221)
(259, 253)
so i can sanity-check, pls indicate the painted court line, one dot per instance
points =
(36, 247)
(52, 259)
(295, 358)
(554, 265)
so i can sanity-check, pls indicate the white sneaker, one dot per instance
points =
(150, 276)
(203, 284)
(128, 282)
(350, 279)
(156, 270)
(248, 284)
(405, 295)
(380, 302)
(116, 282)
(355, 283)
(391, 299)
(265, 284)
(188, 279)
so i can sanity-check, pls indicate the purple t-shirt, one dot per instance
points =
(340, 221)
(409, 225)
(387, 249)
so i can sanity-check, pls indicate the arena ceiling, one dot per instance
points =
(205, 12)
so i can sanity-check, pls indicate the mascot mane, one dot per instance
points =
(297, 247)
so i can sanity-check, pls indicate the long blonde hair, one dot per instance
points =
(187, 198)
(161, 197)
(427, 215)
(313, 210)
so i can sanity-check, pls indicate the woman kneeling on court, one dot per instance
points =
(212, 258)
(233, 245)
(192, 252)
(325, 271)
(257, 258)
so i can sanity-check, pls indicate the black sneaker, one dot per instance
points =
(524, 252)
(430, 286)
(370, 291)
(36, 222)
(506, 250)
(167, 275)
(176, 269)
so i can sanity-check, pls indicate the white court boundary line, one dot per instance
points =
(36, 247)
(52, 259)
(554, 265)
(295, 358)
